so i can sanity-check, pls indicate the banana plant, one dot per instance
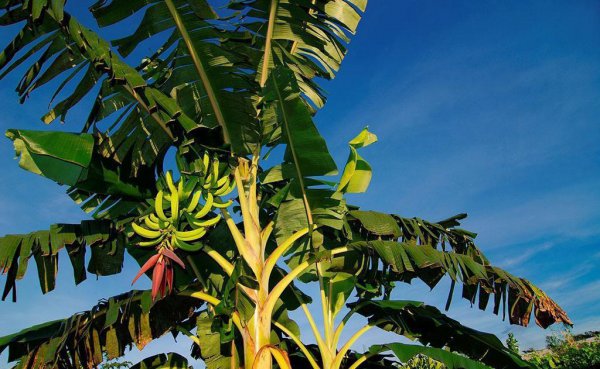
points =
(229, 242)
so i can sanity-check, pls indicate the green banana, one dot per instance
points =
(169, 180)
(174, 206)
(186, 246)
(146, 233)
(150, 224)
(208, 181)
(190, 235)
(163, 228)
(215, 172)
(180, 189)
(194, 202)
(158, 207)
(205, 161)
(153, 218)
(223, 180)
(152, 242)
(208, 223)
(189, 186)
(206, 208)
(221, 205)
(225, 189)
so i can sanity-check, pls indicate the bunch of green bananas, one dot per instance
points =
(179, 219)
(213, 179)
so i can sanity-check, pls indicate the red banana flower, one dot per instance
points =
(162, 276)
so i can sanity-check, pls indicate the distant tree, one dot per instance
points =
(512, 343)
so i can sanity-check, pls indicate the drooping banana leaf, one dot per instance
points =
(204, 72)
(109, 328)
(104, 241)
(430, 327)
(405, 261)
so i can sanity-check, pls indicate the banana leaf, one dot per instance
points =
(100, 237)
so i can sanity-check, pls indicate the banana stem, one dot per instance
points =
(298, 342)
(344, 350)
(265, 234)
(326, 314)
(289, 278)
(251, 226)
(233, 363)
(241, 243)
(279, 251)
(219, 259)
(313, 327)
(345, 319)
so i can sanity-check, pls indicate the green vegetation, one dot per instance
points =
(229, 238)
(512, 343)
(567, 351)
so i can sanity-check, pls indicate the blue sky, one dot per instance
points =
(489, 108)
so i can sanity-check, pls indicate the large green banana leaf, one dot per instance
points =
(306, 156)
(307, 36)
(211, 349)
(405, 261)
(103, 240)
(430, 327)
(109, 328)
(417, 254)
(306, 151)
(76, 164)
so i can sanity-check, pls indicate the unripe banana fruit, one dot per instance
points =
(180, 218)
